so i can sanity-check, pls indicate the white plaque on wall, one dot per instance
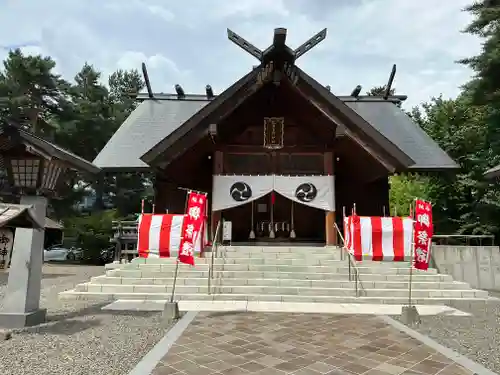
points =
(227, 229)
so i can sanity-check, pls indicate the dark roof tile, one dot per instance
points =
(148, 124)
(154, 120)
(400, 129)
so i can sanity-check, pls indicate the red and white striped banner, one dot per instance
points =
(381, 238)
(159, 235)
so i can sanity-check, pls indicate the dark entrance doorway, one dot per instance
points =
(274, 212)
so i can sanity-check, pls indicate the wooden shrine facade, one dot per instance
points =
(275, 121)
(312, 144)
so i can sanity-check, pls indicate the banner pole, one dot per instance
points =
(252, 232)
(174, 284)
(411, 256)
(411, 275)
(271, 226)
(175, 281)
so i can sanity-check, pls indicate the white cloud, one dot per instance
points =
(185, 42)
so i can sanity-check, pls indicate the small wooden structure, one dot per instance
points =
(125, 239)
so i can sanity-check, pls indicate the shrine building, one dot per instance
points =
(278, 153)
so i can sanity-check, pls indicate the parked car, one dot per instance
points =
(60, 253)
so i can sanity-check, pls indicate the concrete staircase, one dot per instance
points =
(287, 274)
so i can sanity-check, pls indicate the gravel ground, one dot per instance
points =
(477, 336)
(79, 338)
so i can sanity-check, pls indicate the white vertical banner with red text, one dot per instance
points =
(423, 232)
(192, 226)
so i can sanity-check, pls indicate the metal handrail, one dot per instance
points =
(352, 264)
(215, 246)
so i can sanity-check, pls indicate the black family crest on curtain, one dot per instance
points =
(236, 190)
(240, 191)
(306, 192)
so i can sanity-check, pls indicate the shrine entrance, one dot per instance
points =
(274, 208)
(287, 221)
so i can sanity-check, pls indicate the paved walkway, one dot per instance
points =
(300, 344)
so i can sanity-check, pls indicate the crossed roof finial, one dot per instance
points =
(278, 44)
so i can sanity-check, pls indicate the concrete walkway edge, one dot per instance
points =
(155, 355)
(475, 367)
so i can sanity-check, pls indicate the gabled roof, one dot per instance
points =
(18, 216)
(70, 159)
(220, 105)
(196, 127)
(148, 124)
(359, 129)
(397, 126)
(156, 124)
(52, 224)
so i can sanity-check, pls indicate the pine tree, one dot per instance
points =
(35, 94)
(484, 88)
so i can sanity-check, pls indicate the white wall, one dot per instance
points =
(477, 265)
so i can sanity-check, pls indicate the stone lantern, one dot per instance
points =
(34, 167)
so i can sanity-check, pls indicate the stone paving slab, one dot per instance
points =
(232, 343)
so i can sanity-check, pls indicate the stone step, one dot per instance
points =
(278, 249)
(202, 281)
(288, 259)
(139, 273)
(224, 255)
(332, 267)
(99, 296)
(235, 255)
(279, 290)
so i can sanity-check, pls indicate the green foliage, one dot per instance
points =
(467, 129)
(35, 93)
(92, 233)
(404, 188)
(380, 91)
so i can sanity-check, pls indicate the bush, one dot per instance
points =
(92, 233)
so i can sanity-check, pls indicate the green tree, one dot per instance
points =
(404, 188)
(484, 88)
(380, 91)
(35, 93)
(122, 84)
(463, 201)
(91, 233)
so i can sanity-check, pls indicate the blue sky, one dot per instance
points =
(185, 41)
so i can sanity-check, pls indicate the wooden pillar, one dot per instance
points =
(218, 169)
(330, 231)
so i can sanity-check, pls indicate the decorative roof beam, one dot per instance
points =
(180, 91)
(279, 37)
(357, 90)
(312, 42)
(209, 91)
(244, 44)
(389, 83)
(146, 80)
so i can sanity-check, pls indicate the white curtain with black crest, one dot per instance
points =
(313, 191)
(232, 191)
